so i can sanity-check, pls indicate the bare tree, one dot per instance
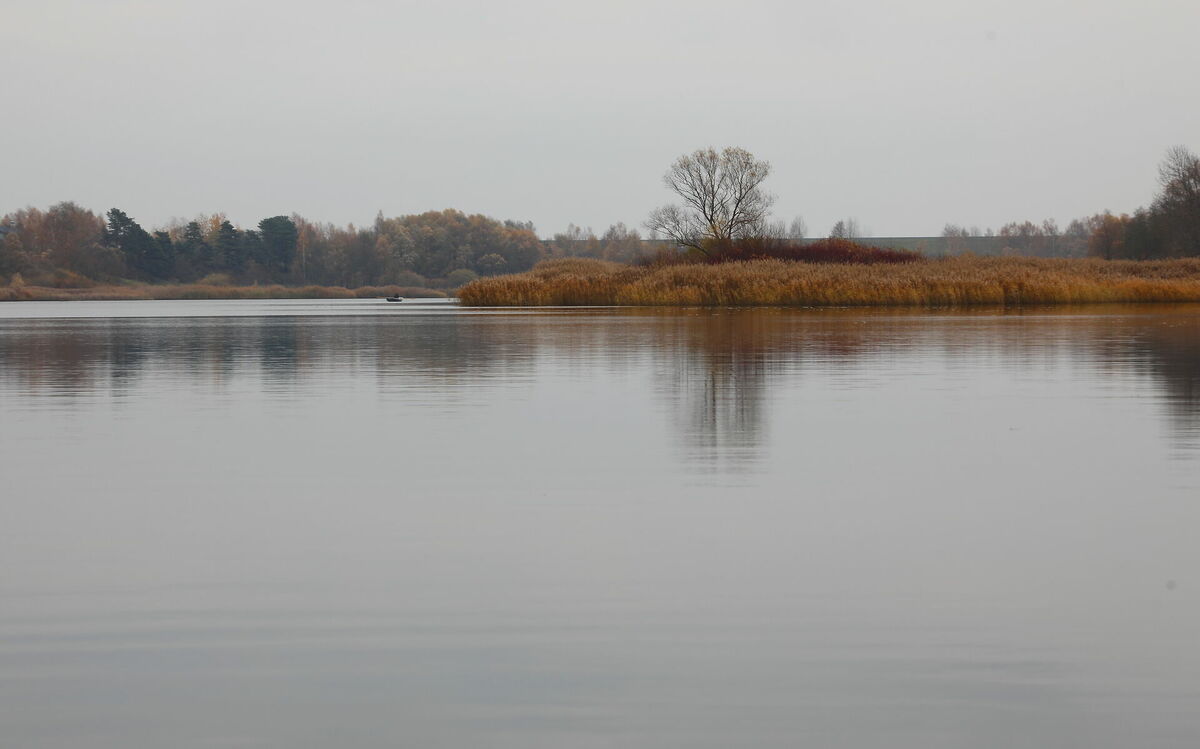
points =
(776, 230)
(1051, 234)
(846, 229)
(954, 236)
(722, 199)
(576, 241)
(798, 229)
(1179, 174)
(1178, 203)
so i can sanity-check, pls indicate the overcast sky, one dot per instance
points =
(904, 114)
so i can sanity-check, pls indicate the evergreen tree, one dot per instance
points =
(251, 249)
(195, 251)
(141, 252)
(160, 262)
(230, 251)
(279, 238)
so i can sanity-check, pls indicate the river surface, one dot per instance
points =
(312, 524)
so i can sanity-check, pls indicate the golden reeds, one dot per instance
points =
(949, 282)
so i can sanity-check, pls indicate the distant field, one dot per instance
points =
(205, 291)
(947, 282)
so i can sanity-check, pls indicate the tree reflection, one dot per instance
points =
(713, 369)
(716, 372)
(1169, 351)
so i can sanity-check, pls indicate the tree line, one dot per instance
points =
(1168, 227)
(67, 243)
(723, 203)
(1036, 239)
(725, 212)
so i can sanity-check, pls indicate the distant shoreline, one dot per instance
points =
(949, 282)
(130, 292)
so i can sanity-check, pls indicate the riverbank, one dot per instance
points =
(948, 282)
(27, 293)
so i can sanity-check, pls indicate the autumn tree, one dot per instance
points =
(444, 241)
(722, 196)
(621, 244)
(63, 237)
(1108, 238)
(491, 264)
(393, 244)
(71, 237)
(576, 241)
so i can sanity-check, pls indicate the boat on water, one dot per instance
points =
(396, 298)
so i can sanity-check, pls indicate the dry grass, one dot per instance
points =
(412, 292)
(949, 282)
(25, 293)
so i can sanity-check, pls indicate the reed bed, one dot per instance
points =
(27, 293)
(949, 282)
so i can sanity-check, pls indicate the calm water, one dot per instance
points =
(353, 524)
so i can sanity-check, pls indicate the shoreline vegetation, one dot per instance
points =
(943, 282)
(716, 246)
(727, 253)
(69, 247)
(138, 291)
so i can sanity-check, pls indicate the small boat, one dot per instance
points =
(396, 298)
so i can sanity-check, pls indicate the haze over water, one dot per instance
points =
(314, 524)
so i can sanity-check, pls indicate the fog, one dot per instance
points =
(904, 115)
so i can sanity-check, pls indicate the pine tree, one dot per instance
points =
(250, 248)
(193, 249)
(159, 262)
(141, 252)
(279, 237)
(230, 252)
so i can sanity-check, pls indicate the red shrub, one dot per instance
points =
(819, 251)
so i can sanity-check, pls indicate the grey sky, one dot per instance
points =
(906, 115)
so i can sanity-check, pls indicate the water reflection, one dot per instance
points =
(561, 528)
(1169, 351)
(717, 372)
